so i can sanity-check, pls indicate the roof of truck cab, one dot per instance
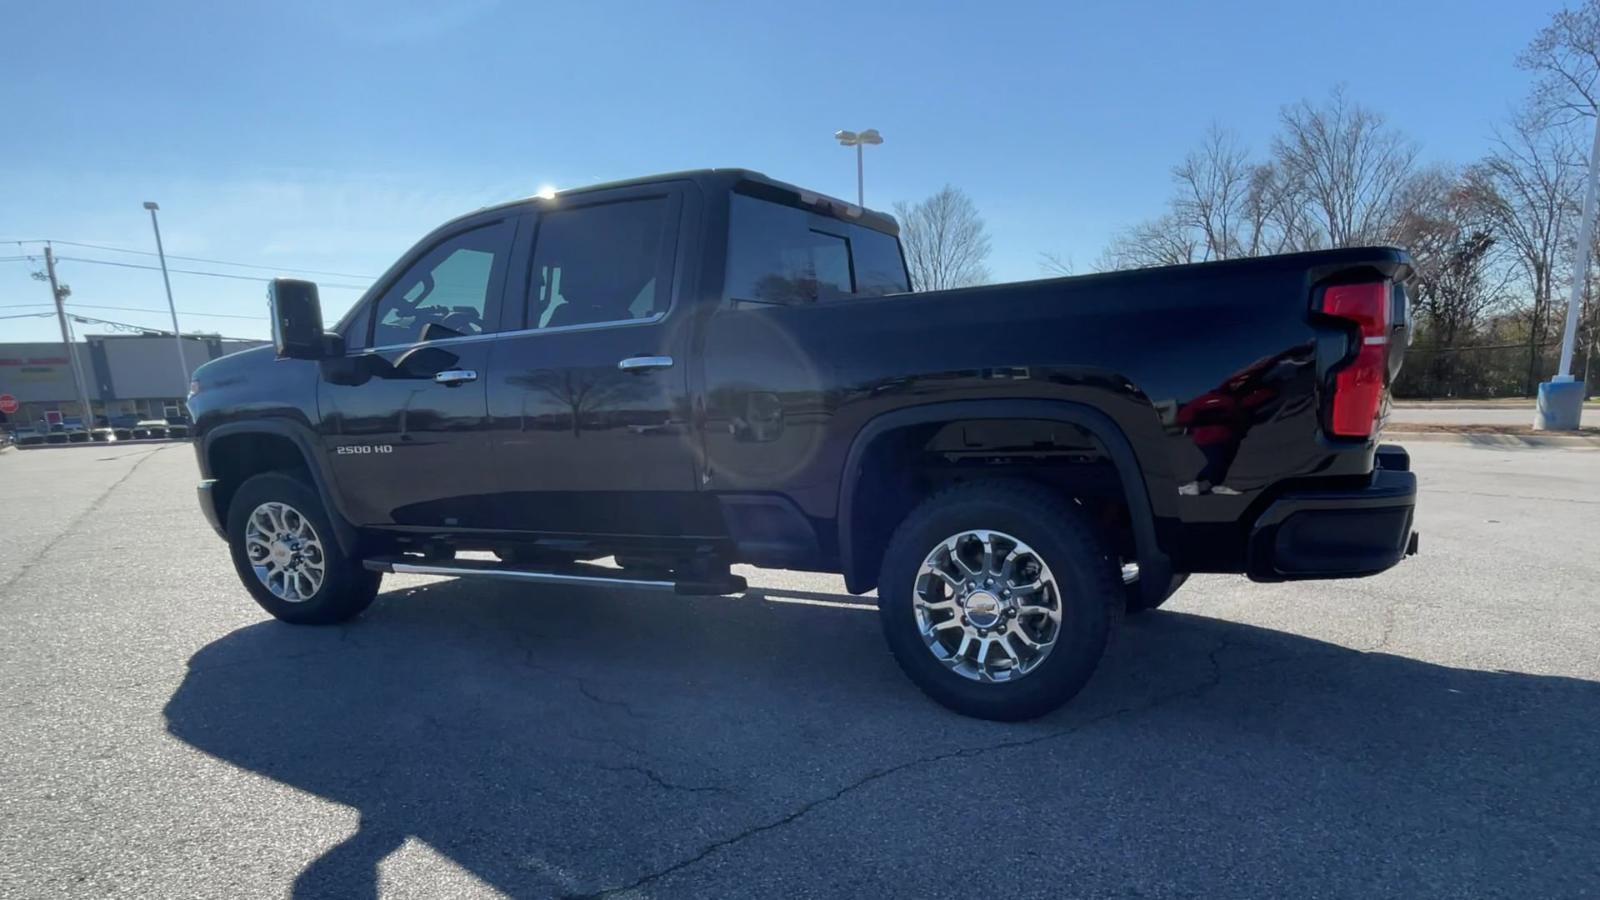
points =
(722, 180)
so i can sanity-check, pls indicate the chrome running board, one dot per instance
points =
(577, 574)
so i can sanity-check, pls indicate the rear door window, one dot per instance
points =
(603, 263)
(779, 255)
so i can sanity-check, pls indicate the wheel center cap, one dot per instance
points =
(983, 609)
(280, 552)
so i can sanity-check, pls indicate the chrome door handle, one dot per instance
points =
(453, 377)
(645, 363)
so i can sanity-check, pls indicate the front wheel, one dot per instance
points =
(284, 550)
(997, 599)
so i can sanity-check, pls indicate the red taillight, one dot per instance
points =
(1358, 387)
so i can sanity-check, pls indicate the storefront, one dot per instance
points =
(127, 376)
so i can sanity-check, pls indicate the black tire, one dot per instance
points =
(347, 588)
(1136, 602)
(1089, 585)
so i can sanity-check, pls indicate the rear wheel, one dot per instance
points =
(997, 599)
(284, 550)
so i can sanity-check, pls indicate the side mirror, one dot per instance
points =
(296, 319)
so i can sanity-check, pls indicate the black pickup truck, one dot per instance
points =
(680, 373)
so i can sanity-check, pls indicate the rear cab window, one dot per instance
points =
(779, 255)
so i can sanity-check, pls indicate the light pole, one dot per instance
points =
(858, 141)
(1560, 404)
(177, 336)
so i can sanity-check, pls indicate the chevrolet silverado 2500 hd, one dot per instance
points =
(684, 372)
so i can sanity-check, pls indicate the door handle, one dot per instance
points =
(453, 377)
(645, 363)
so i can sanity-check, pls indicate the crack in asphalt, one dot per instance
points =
(1207, 684)
(520, 641)
(585, 690)
(659, 780)
(1391, 614)
(72, 524)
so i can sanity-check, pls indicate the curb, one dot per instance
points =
(1498, 441)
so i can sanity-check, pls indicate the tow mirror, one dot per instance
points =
(296, 319)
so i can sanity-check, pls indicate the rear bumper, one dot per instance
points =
(1344, 533)
(207, 491)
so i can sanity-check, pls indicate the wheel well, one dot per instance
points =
(233, 458)
(904, 465)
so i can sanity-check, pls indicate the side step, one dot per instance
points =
(573, 574)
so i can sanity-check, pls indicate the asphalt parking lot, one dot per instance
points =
(1432, 732)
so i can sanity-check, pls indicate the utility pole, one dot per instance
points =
(57, 295)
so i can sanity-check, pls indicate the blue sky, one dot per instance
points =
(324, 135)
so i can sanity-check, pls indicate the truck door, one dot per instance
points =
(594, 433)
(404, 418)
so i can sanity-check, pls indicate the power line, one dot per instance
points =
(107, 262)
(160, 332)
(143, 329)
(181, 312)
(218, 262)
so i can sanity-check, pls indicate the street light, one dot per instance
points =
(859, 140)
(177, 336)
(1560, 400)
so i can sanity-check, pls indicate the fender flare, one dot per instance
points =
(1155, 566)
(316, 464)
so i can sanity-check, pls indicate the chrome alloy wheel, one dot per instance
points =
(285, 552)
(987, 606)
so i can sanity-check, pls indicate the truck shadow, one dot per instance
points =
(566, 742)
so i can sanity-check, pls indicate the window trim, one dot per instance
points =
(670, 266)
(522, 332)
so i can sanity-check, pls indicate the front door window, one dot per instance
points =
(449, 292)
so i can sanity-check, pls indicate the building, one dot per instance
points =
(126, 375)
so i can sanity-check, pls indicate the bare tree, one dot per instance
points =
(1166, 241)
(1213, 184)
(1240, 207)
(1565, 58)
(1456, 283)
(1275, 214)
(945, 241)
(1055, 264)
(1347, 168)
(1224, 205)
(1526, 189)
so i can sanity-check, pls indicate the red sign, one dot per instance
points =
(8, 404)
